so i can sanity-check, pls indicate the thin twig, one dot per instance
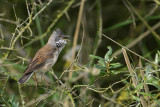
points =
(21, 95)
(9, 21)
(77, 57)
(66, 88)
(1, 95)
(138, 39)
(27, 8)
(145, 85)
(14, 39)
(77, 32)
(132, 14)
(51, 25)
(99, 30)
(135, 82)
(40, 98)
(42, 9)
(130, 50)
(141, 18)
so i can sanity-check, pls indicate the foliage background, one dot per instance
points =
(25, 26)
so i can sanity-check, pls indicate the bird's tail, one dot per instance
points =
(25, 78)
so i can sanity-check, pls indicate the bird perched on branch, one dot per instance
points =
(47, 56)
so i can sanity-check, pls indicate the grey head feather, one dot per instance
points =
(54, 37)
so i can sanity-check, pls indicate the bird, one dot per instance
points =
(47, 56)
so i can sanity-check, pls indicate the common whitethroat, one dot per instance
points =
(47, 56)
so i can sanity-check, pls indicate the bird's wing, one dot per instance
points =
(40, 58)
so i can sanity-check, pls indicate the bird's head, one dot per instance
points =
(56, 36)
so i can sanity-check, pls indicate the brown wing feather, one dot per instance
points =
(40, 58)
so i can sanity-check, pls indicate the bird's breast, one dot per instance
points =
(50, 62)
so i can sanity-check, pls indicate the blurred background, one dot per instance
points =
(26, 25)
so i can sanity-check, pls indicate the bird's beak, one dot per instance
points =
(66, 37)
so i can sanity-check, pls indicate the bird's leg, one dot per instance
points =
(44, 79)
(35, 79)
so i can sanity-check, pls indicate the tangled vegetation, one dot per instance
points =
(111, 60)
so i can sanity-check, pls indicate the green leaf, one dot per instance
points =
(136, 98)
(102, 63)
(158, 52)
(147, 71)
(139, 86)
(155, 85)
(111, 59)
(110, 50)
(138, 105)
(147, 94)
(156, 59)
(126, 22)
(99, 67)
(115, 65)
(11, 100)
(107, 55)
(113, 72)
(96, 57)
